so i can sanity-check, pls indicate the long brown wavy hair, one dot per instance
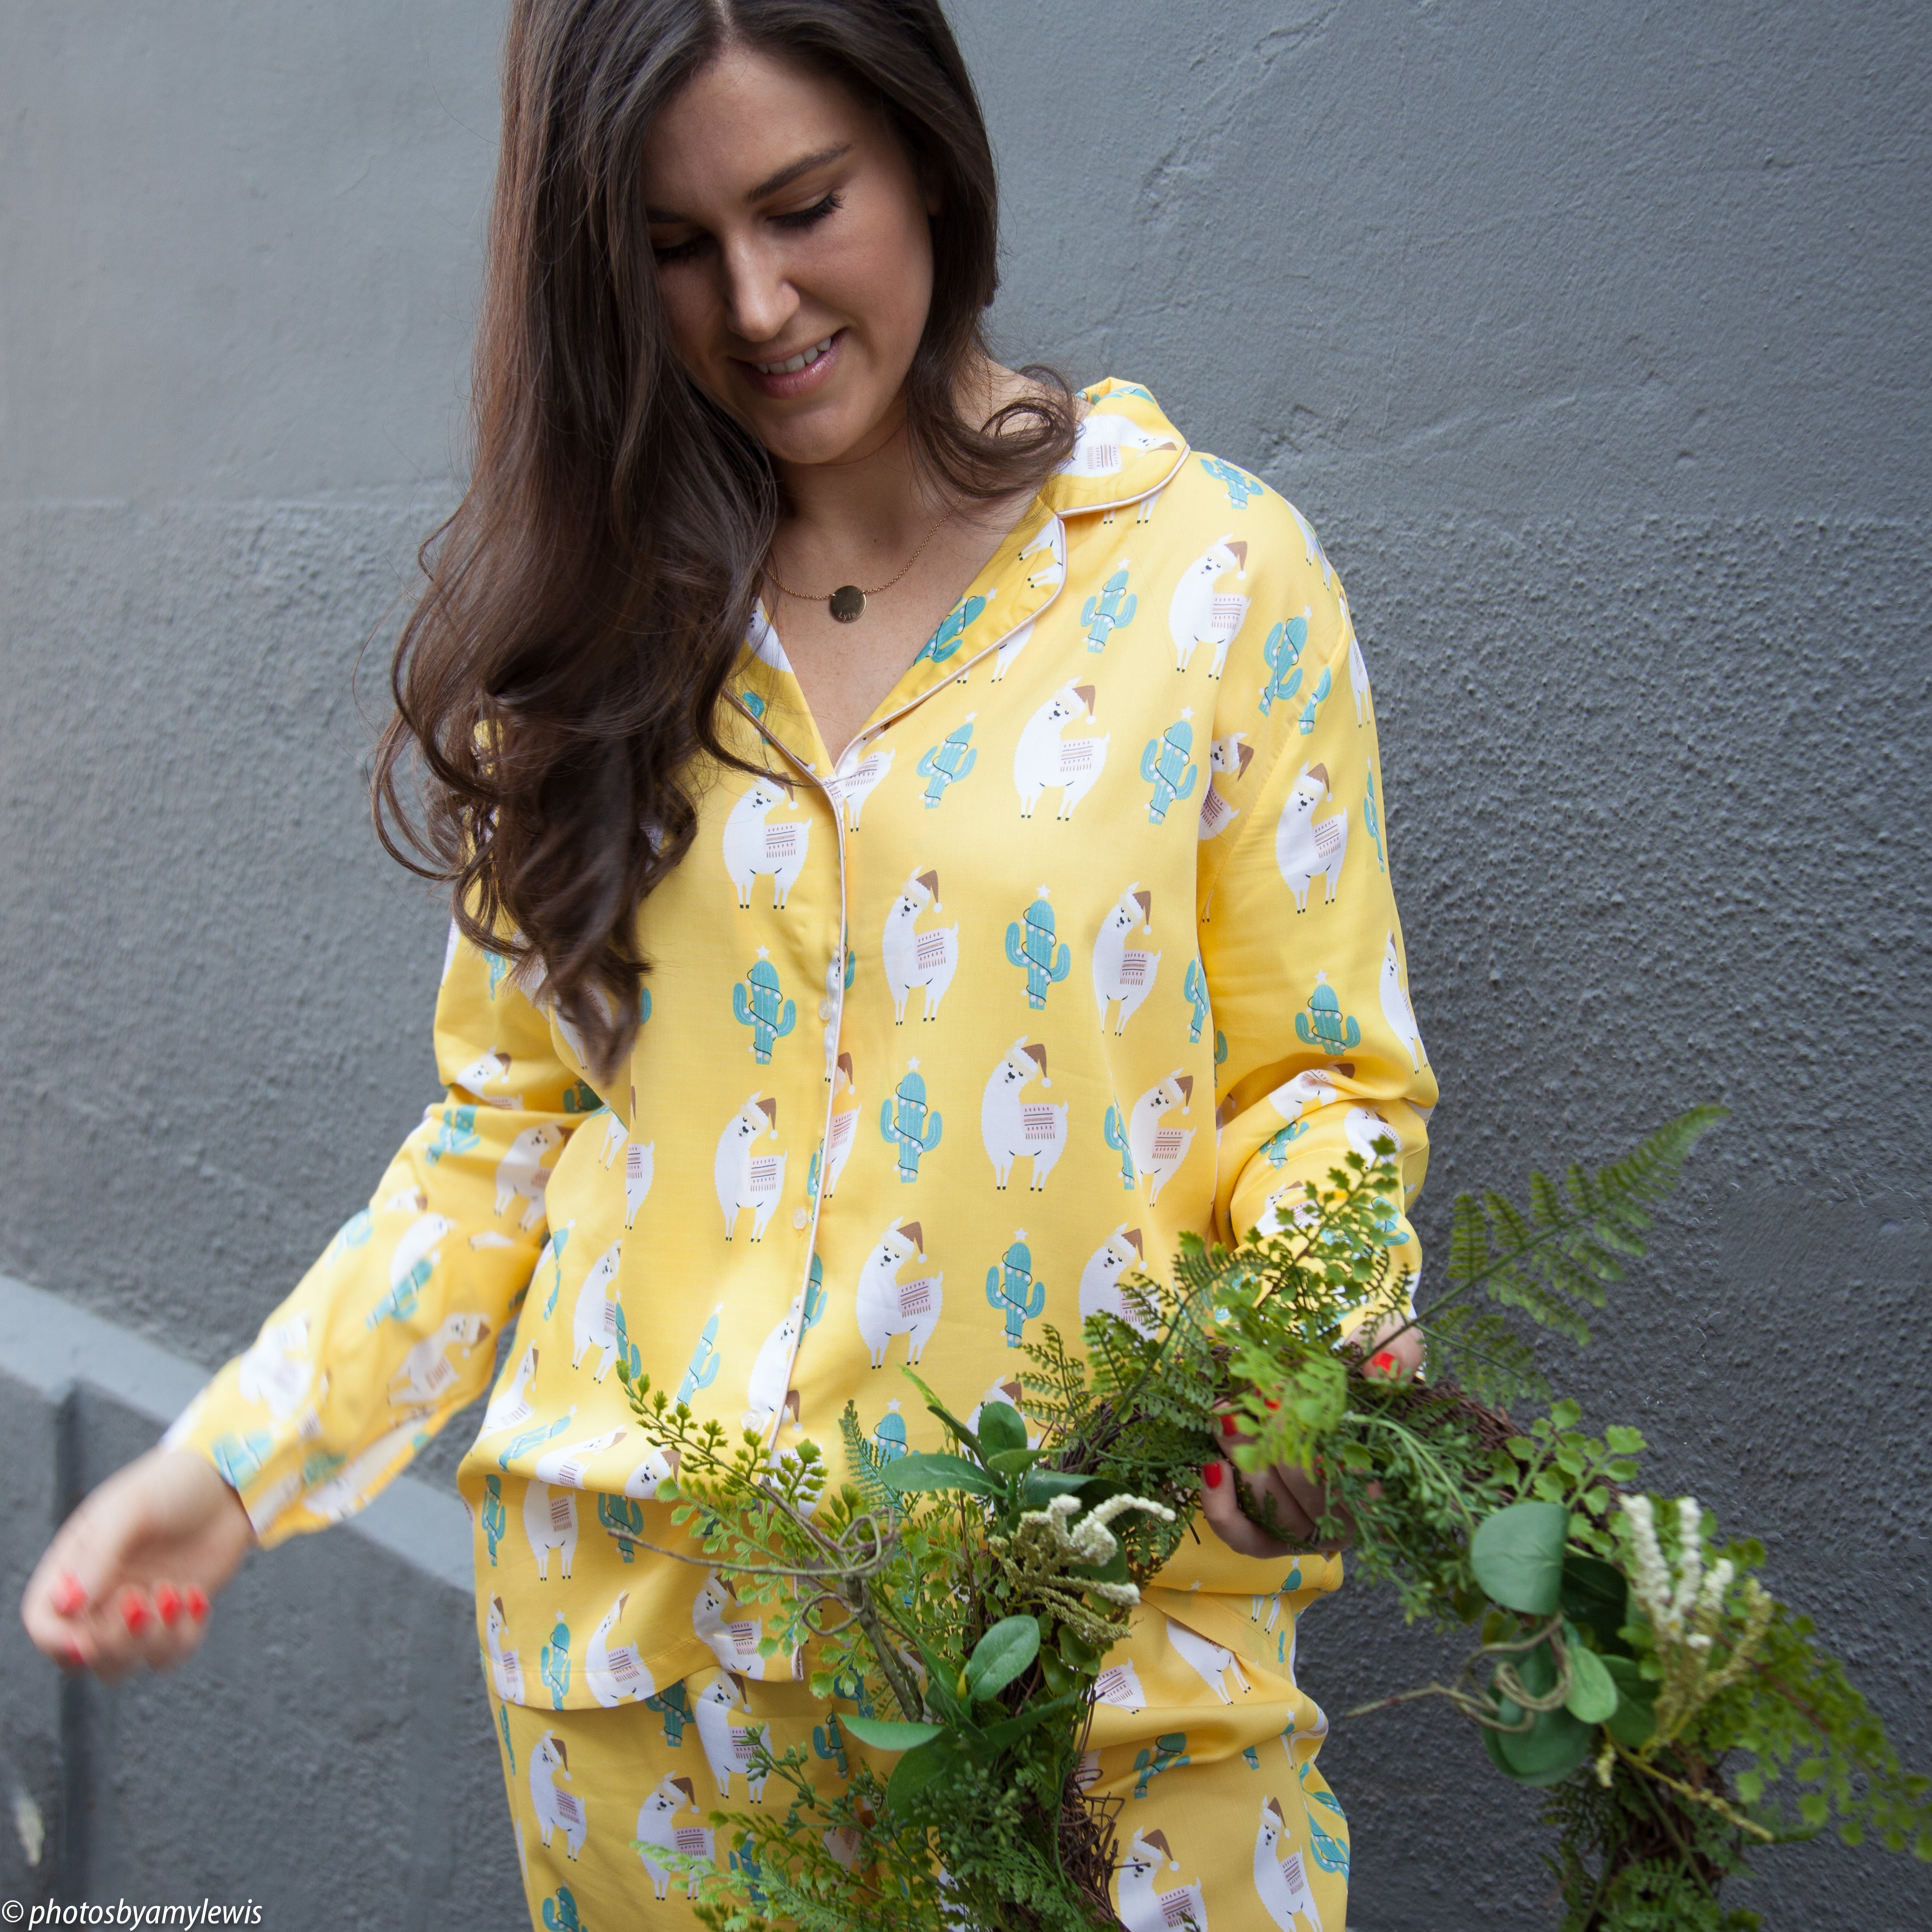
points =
(557, 688)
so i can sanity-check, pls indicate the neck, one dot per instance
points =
(867, 504)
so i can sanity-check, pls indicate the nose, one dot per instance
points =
(759, 301)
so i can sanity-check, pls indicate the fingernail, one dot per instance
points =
(1211, 1475)
(68, 1595)
(1270, 1401)
(1229, 1426)
(76, 1658)
(197, 1604)
(167, 1604)
(1384, 1361)
(134, 1613)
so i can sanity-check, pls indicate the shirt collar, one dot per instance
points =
(1126, 449)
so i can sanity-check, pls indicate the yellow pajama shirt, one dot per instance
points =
(1087, 940)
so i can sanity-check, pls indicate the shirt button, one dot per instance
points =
(825, 1009)
(800, 1220)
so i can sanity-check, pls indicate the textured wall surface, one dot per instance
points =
(1591, 339)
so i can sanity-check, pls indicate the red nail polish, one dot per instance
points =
(167, 1604)
(134, 1613)
(1229, 1426)
(1384, 1361)
(68, 1596)
(1270, 1401)
(77, 1658)
(197, 1604)
(1211, 1475)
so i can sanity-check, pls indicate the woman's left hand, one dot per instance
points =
(1298, 1501)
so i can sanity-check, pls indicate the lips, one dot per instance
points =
(784, 378)
(804, 359)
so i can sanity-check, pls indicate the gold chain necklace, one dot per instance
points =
(847, 603)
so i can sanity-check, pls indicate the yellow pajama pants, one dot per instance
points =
(1200, 1732)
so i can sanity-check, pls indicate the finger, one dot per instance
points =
(1220, 1503)
(1281, 1510)
(1219, 1506)
(1396, 1352)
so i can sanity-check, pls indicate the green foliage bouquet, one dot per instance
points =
(1628, 1660)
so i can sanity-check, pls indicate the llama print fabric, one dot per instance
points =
(1087, 940)
(1200, 1737)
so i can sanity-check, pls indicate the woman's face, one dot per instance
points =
(794, 254)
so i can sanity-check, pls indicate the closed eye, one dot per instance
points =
(797, 219)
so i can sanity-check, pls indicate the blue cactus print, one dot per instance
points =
(947, 638)
(553, 1662)
(1114, 1127)
(1277, 1145)
(706, 1361)
(674, 1706)
(828, 1742)
(559, 1911)
(533, 1437)
(239, 1458)
(1011, 1286)
(904, 1123)
(1238, 483)
(623, 1519)
(581, 1097)
(1166, 1751)
(552, 1252)
(456, 1134)
(498, 967)
(503, 1725)
(1281, 653)
(814, 1293)
(889, 1437)
(1029, 946)
(1324, 1024)
(1165, 766)
(1331, 1853)
(1111, 609)
(744, 1860)
(758, 1001)
(1323, 685)
(496, 1519)
(1251, 1757)
(948, 763)
(355, 1230)
(1372, 818)
(851, 1686)
(1194, 987)
(752, 702)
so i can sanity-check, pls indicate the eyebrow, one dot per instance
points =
(771, 185)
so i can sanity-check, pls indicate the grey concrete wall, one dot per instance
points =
(1591, 338)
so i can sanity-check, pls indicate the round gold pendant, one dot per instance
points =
(847, 603)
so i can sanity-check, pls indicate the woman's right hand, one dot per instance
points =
(129, 1579)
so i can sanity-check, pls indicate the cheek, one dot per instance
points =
(885, 273)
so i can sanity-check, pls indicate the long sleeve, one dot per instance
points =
(393, 1329)
(1299, 934)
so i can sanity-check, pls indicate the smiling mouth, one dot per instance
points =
(804, 359)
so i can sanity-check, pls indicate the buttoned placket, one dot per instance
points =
(833, 791)
(1053, 531)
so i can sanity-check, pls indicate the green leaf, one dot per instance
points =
(922, 1469)
(1634, 1720)
(1013, 1462)
(887, 1733)
(1041, 1486)
(1517, 1555)
(945, 1414)
(1000, 1655)
(912, 1774)
(1593, 1691)
(1001, 1427)
(1548, 1752)
(1010, 1730)
(1595, 1595)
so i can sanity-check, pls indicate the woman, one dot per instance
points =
(916, 844)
